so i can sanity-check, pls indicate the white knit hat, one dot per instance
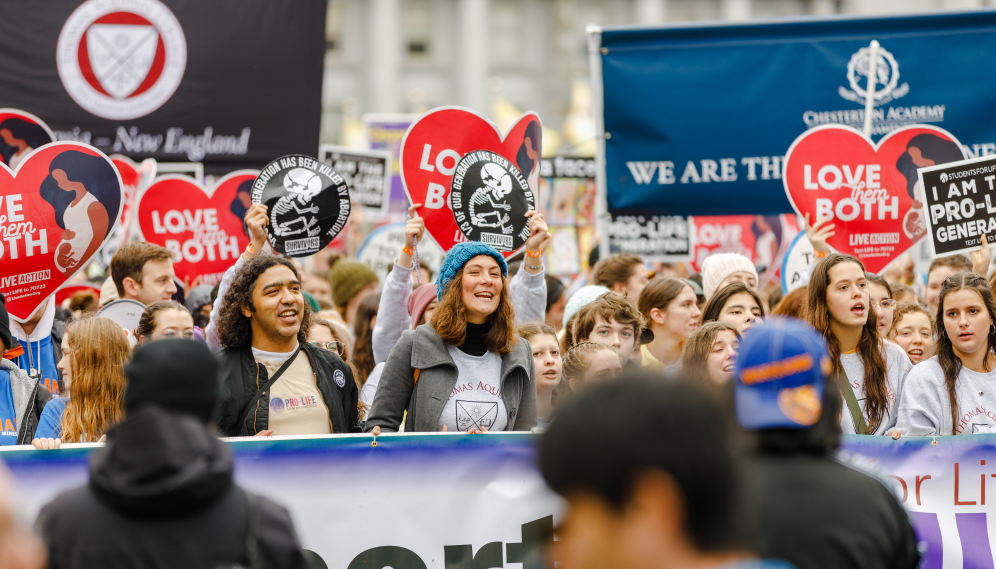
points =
(721, 265)
(583, 297)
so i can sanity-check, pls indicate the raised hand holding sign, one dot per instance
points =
(56, 211)
(307, 202)
(474, 184)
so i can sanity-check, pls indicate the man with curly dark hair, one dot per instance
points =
(276, 382)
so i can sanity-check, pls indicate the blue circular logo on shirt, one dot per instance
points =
(340, 378)
(276, 405)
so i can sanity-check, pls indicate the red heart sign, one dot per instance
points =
(56, 211)
(434, 145)
(201, 227)
(869, 191)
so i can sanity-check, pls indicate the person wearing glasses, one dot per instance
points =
(322, 334)
(276, 382)
(881, 302)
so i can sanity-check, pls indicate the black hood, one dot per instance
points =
(160, 463)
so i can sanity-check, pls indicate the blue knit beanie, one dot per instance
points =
(458, 256)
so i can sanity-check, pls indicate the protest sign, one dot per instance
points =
(453, 158)
(453, 481)
(20, 134)
(367, 173)
(134, 177)
(382, 246)
(567, 196)
(56, 211)
(170, 80)
(385, 131)
(202, 227)
(959, 204)
(760, 238)
(307, 201)
(795, 262)
(664, 238)
(867, 190)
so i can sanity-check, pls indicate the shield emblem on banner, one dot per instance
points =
(121, 57)
(121, 60)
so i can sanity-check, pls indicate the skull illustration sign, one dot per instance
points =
(489, 199)
(307, 202)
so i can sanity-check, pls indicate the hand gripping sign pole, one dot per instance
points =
(870, 94)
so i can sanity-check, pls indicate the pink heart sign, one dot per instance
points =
(201, 227)
(56, 210)
(473, 183)
(869, 191)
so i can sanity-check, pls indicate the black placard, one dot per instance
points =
(489, 199)
(960, 204)
(662, 238)
(307, 203)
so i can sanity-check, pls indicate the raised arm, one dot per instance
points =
(528, 287)
(392, 314)
(256, 219)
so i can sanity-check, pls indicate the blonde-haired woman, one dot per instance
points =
(94, 352)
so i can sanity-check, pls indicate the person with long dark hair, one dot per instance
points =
(366, 319)
(710, 354)
(85, 192)
(948, 393)
(18, 138)
(465, 370)
(871, 369)
(735, 304)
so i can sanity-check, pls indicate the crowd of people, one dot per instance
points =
(284, 349)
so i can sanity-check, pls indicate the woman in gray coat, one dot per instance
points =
(466, 370)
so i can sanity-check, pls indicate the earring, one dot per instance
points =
(992, 329)
(944, 333)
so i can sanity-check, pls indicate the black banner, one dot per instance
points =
(661, 238)
(230, 83)
(959, 204)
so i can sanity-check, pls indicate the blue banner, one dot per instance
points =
(698, 118)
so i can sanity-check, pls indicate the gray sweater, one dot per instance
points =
(422, 349)
(925, 408)
(897, 365)
(528, 293)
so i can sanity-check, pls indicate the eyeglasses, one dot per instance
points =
(886, 303)
(337, 347)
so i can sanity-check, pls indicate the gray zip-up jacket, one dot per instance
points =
(527, 292)
(424, 350)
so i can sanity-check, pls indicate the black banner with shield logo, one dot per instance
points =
(230, 83)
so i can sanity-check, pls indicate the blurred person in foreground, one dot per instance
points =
(19, 547)
(161, 492)
(812, 505)
(637, 499)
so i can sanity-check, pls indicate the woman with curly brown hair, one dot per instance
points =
(711, 353)
(94, 352)
(466, 370)
(872, 370)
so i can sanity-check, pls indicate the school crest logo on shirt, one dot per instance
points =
(121, 60)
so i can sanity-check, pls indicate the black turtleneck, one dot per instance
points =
(473, 344)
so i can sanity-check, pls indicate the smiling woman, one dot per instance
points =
(466, 370)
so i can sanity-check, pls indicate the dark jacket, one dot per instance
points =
(161, 495)
(815, 512)
(242, 377)
(422, 349)
(29, 398)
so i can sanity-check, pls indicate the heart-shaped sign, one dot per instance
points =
(201, 227)
(869, 191)
(134, 177)
(57, 209)
(496, 176)
(21, 133)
